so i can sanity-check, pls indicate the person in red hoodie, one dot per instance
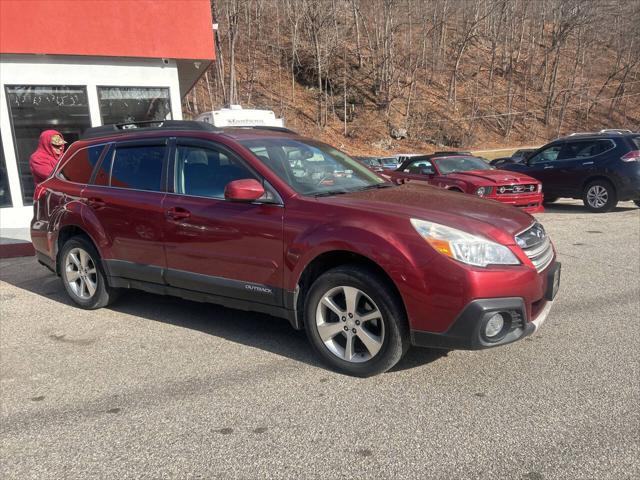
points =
(45, 158)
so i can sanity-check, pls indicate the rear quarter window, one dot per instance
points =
(636, 142)
(79, 167)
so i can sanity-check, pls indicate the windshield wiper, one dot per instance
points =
(329, 193)
(376, 186)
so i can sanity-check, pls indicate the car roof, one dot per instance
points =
(603, 134)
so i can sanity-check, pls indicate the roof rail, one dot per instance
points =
(615, 130)
(452, 152)
(263, 127)
(604, 131)
(146, 125)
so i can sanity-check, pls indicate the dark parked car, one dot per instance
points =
(600, 168)
(235, 217)
(378, 164)
(518, 156)
(468, 174)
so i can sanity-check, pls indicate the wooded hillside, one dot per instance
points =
(365, 74)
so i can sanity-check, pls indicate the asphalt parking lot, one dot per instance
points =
(158, 387)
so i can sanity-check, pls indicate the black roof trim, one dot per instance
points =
(438, 154)
(146, 126)
(160, 125)
(262, 127)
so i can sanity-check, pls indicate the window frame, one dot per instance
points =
(28, 201)
(212, 145)
(98, 87)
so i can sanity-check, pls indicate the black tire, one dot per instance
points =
(391, 328)
(600, 196)
(550, 199)
(102, 295)
(637, 202)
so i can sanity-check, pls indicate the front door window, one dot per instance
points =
(547, 155)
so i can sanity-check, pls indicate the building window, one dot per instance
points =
(5, 192)
(133, 104)
(34, 109)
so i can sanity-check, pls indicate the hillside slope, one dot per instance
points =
(472, 74)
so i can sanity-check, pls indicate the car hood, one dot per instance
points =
(497, 177)
(471, 214)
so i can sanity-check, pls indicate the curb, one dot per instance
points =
(13, 250)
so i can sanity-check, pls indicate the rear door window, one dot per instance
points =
(636, 141)
(138, 167)
(79, 167)
(584, 149)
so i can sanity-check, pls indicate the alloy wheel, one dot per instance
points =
(350, 324)
(81, 273)
(597, 196)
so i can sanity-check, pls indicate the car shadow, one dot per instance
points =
(252, 329)
(573, 208)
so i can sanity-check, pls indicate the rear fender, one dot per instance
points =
(79, 215)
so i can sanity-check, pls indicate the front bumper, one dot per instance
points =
(466, 332)
(529, 202)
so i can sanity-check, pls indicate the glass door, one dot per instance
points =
(35, 108)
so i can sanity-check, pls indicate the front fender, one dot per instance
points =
(398, 256)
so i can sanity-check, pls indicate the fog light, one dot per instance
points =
(494, 325)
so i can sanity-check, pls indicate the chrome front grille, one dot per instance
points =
(536, 245)
(510, 189)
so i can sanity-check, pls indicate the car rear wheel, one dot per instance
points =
(355, 322)
(600, 196)
(82, 275)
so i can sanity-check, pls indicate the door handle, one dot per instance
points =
(94, 202)
(548, 166)
(587, 163)
(178, 213)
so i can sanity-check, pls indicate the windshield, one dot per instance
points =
(460, 164)
(313, 168)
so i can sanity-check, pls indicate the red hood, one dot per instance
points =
(465, 212)
(494, 177)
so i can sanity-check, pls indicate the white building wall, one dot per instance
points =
(82, 71)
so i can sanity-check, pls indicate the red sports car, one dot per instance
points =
(468, 174)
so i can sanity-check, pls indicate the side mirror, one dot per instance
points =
(245, 190)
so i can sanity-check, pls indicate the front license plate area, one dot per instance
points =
(553, 282)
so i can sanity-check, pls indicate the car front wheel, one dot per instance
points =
(355, 321)
(600, 196)
(82, 275)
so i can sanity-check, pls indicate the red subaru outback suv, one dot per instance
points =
(265, 220)
(469, 174)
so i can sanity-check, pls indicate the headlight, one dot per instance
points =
(539, 187)
(482, 191)
(463, 246)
